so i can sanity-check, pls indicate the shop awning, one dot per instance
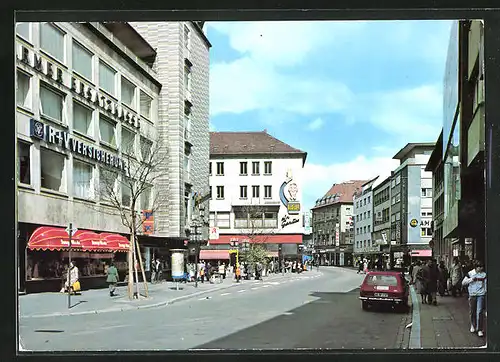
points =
(53, 238)
(214, 254)
(264, 239)
(425, 253)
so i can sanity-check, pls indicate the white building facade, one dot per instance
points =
(256, 185)
(183, 69)
(81, 95)
(363, 221)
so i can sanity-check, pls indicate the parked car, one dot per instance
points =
(384, 287)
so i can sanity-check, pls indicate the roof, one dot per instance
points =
(410, 147)
(341, 193)
(436, 155)
(250, 143)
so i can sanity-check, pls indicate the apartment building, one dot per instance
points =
(364, 244)
(183, 69)
(85, 100)
(333, 224)
(256, 185)
(381, 234)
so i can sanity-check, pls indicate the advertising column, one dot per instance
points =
(177, 265)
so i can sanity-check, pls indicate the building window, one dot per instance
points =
(146, 197)
(146, 149)
(126, 189)
(107, 184)
(256, 168)
(145, 105)
(128, 93)
(107, 78)
(24, 168)
(243, 168)
(368, 214)
(268, 168)
(23, 29)
(210, 193)
(426, 192)
(187, 37)
(52, 41)
(426, 231)
(369, 228)
(255, 191)
(23, 90)
(364, 202)
(187, 79)
(393, 218)
(243, 192)
(82, 61)
(52, 170)
(222, 220)
(393, 200)
(220, 168)
(82, 119)
(51, 103)
(107, 130)
(398, 197)
(398, 179)
(128, 141)
(398, 216)
(268, 191)
(83, 174)
(210, 168)
(393, 183)
(368, 199)
(220, 192)
(364, 216)
(364, 229)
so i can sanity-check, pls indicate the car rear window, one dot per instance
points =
(387, 280)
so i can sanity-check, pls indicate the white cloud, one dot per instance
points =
(316, 124)
(318, 179)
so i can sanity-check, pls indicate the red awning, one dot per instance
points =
(266, 239)
(214, 254)
(51, 238)
(116, 241)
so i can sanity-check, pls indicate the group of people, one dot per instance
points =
(431, 278)
(365, 265)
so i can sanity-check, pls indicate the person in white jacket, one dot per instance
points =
(475, 280)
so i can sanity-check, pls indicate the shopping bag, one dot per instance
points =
(76, 286)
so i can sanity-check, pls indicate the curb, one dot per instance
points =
(127, 308)
(415, 340)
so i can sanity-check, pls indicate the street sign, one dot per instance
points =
(73, 231)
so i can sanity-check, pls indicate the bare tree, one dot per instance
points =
(126, 194)
(257, 229)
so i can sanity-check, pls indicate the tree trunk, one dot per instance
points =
(130, 270)
(135, 271)
(142, 268)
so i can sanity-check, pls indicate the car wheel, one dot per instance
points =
(364, 305)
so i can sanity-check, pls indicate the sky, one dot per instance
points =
(349, 93)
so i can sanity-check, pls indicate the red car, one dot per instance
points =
(384, 287)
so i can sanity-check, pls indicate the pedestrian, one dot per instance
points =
(112, 278)
(72, 283)
(443, 279)
(431, 275)
(456, 278)
(202, 272)
(420, 281)
(475, 280)
(410, 269)
(365, 266)
(237, 273)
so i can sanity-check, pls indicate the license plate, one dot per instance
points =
(382, 295)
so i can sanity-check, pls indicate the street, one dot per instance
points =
(310, 310)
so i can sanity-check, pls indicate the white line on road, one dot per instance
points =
(241, 291)
(255, 288)
(225, 294)
(266, 286)
(100, 328)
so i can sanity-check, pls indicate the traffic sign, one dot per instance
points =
(72, 231)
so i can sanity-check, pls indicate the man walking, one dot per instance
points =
(456, 278)
(475, 280)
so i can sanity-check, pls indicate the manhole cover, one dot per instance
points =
(442, 318)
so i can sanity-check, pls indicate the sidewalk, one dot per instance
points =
(96, 301)
(443, 326)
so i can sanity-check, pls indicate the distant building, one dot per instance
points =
(364, 245)
(256, 184)
(381, 234)
(333, 233)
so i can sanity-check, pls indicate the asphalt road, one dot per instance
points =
(311, 310)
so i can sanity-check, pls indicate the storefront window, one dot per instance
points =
(52, 170)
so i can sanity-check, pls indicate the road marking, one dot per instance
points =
(241, 291)
(287, 313)
(255, 288)
(266, 286)
(100, 328)
(225, 294)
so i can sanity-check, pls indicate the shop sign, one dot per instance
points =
(290, 188)
(287, 220)
(413, 223)
(49, 134)
(147, 222)
(214, 233)
(426, 223)
(57, 74)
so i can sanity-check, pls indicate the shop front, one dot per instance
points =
(47, 251)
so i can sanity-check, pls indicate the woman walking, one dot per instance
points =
(112, 278)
